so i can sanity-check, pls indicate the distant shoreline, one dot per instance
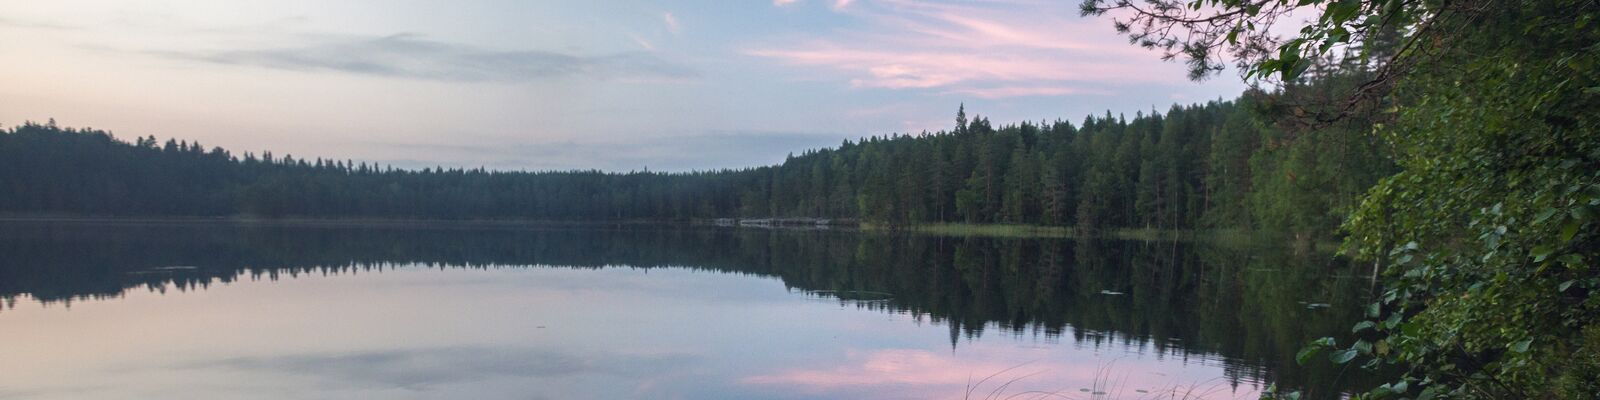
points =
(1017, 231)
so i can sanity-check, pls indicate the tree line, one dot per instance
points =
(1220, 164)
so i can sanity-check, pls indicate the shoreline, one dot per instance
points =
(1226, 237)
(1014, 231)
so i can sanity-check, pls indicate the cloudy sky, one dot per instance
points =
(614, 84)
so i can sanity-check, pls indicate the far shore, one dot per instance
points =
(1019, 231)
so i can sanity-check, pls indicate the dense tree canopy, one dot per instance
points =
(1488, 230)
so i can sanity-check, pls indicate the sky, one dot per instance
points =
(616, 85)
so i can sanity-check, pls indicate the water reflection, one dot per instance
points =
(421, 369)
(1137, 318)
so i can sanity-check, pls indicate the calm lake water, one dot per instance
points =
(144, 311)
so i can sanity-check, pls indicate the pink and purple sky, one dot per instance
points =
(614, 85)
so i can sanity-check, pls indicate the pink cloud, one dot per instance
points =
(642, 43)
(925, 68)
(991, 52)
(1023, 91)
(837, 4)
(893, 366)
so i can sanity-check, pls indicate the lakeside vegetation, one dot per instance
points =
(1487, 232)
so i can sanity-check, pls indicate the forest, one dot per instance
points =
(1453, 144)
(1221, 164)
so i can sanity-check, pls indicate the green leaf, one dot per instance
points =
(1522, 346)
(1541, 252)
(1344, 356)
(1300, 67)
(1544, 215)
(1341, 11)
(1565, 285)
(1312, 349)
(1305, 354)
(1429, 393)
(1364, 325)
(1570, 230)
(1574, 261)
(1379, 392)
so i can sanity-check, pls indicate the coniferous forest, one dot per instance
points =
(1453, 144)
(1220, 164)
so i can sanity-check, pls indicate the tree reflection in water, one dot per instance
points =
(1250, 307)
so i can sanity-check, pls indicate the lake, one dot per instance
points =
(279, 311)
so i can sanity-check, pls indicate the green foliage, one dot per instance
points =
(1488, 230)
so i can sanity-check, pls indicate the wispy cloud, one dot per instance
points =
(1000, 50)
(672, 22)
(642, 43)
(18, 23)
(1023, 91)
(410, 56)
(837, 4)
(419, 369)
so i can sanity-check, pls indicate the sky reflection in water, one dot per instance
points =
(414, 332)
